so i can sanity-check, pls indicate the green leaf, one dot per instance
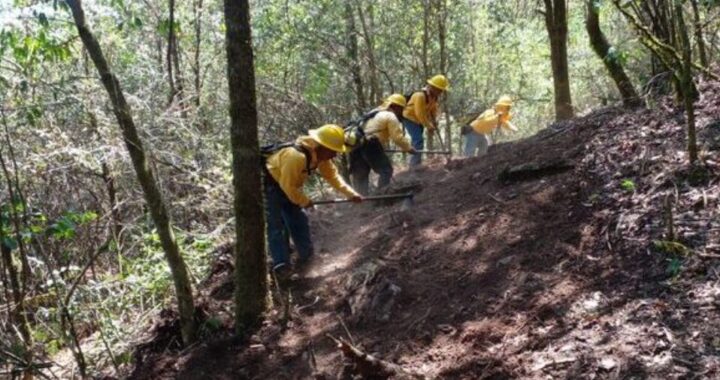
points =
(9, 243)
(627, 185)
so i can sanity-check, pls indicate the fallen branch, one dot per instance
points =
(370, 367)
(533, 170)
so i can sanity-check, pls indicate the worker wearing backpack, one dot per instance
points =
(477, 134)
(378, 128)
(421, 112)
(287, 167)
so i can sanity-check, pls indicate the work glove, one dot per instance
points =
(310, 206)
(412, 151)
(356, 199)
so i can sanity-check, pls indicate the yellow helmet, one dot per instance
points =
(440, 82)
(397, 99)
(331, 136)
(505, 101)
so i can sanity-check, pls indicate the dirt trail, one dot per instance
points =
(558, 275)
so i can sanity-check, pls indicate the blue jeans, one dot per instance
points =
(416, 139)
(283, 217)
(370, 156)
(476, 142)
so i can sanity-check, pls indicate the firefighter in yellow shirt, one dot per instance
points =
(379, 127)
(477, 138)
(287, 169)
(421, 113)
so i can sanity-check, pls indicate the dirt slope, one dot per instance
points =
(559, 275)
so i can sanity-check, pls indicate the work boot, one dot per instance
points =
(303, 263)
(282, 272)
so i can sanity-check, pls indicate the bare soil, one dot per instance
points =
(569, 273)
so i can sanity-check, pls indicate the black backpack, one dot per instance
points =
(269, 149)
(354, 132)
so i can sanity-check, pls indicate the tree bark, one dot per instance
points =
(442, 15)
(601, 46)
(17, 313)
(173, 61)
(251, 293)
(689, 90)
(197, 8)
(375, 92)
(145, 176)
(699, 36)
(425, 59)
(556, 23)
(352, 57)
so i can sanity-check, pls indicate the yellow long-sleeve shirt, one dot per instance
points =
(421, 109)
(386, 126)
(489, 120)
(288, 167)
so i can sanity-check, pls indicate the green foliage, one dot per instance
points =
(627, 185)
(671, 247)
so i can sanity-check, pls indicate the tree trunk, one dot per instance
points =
(197, 10)
(17, 311)
(145, 176)
(375, 92)
(251, 293)
(173, 60)
(168, 53)
(352, 57)
(556, 23)
(425, 59)
(442, 15)
(602, 48)
(688, 87)
(699, 34)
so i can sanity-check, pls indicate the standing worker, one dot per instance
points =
(380, 126)
(287, 168)
(421, 112)
(477, 137)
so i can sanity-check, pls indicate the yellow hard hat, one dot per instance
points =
(331, 136)
(440, 82)
(397, 99)
(505, 101)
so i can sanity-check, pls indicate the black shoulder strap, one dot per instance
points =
(369, 115)
(308, 156)
(270, 149)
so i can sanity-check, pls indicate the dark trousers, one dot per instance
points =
(370, 156)
(283, 218)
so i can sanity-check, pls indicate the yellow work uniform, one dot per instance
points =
(491, 119)
(386, 126)
(421, 109)
(288, 167)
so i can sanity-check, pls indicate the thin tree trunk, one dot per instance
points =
(442, 15)
(169, 53)
(688, 87)
(251, 292)
(425, 61)
(556, 23)
(352, 57)
(602, 48)
(17, 313)
(177, 90)
(149, 184)
(370, 45)
(699, 36)
(198, 8)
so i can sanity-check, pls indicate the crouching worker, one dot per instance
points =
(477, 136)
(377, 129)
(287, 168)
